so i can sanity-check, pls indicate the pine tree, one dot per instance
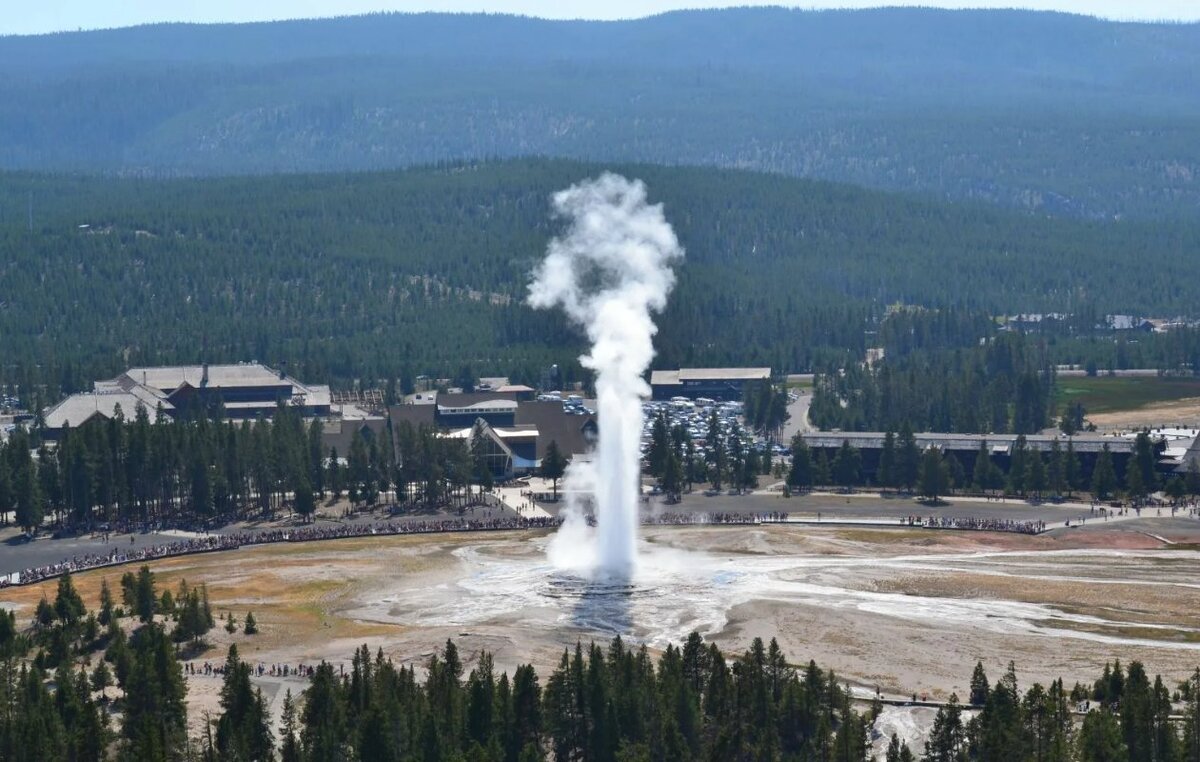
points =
(155, 719)
(289, 750)
(243, 730)
(106, 603)
(335, 474)
(716, 452)
(933, 475)
(800, 474)
(909, 458)
(68, 605)
(822, 475)
(359, 470)
(847, 466)
(656, 456)
(1056, 471)
(140, 593)
(979, 685)
(947, 739)
(1104, 478)
(9, 636)
(998, 730)
(101, 677)
(886, 477)
(1100, 738)
(982, 475)
(1018, 466)
(527, 712)
(1133, 481)
(672, 479)
(480, 703)
(316, 460)
(305, 502)
(1191, 719)
(324, 719)
(1072, 471)
(1035, 473)
(30, 508)
(553, 465)
(956, 475)
(1143, 462)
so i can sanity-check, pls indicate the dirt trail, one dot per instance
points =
(1183, 413)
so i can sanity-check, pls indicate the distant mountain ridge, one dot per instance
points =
(1046, 111)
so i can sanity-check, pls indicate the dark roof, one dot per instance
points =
(996, 442)
(417, 415)
(1193, 453)
(554, 425)
(341, 432)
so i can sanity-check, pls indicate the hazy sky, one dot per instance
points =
(33, 16)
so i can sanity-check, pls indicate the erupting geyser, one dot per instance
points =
(609, 272)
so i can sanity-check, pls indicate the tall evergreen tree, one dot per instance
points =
(243, 730)
(1100, 738)
(909, 458)
(847, 466)
(553, 466)
(947, 739)
(1104, 477)
(934, 476)
(886, 476)
(979, 685)
(800, 472)
(155, 718)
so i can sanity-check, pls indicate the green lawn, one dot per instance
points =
(1104, 394)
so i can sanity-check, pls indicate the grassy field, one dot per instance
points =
(1106, 394)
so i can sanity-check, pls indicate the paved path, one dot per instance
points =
(798, 412)
(17, 554)
(513, 499)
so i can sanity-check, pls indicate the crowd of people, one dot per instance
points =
(971, 523)
(234, 540)
(716, 518)
(309, 533)
(210, 669)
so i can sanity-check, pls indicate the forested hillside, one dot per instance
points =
(1058, 113)
(369, 275)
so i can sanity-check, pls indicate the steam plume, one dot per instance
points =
(609, 272)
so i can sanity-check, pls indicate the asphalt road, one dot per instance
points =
(17, 553)
(798, 416)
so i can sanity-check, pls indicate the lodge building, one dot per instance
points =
(241, 391)
(965, 447)
(710, 383)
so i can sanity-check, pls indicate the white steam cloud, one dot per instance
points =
(609, 272)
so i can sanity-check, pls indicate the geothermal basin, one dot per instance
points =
(902, 610)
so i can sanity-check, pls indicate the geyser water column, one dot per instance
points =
(610, 271)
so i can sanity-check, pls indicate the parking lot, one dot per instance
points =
(694, 416)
